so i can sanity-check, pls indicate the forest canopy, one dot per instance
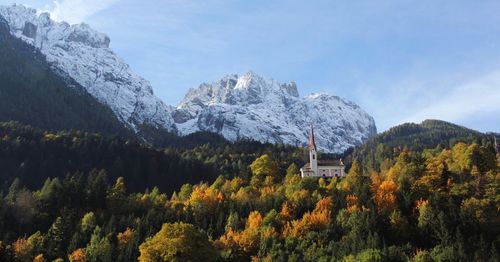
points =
(425, 203)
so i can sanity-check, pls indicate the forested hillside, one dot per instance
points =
(32, 93)
(427, 202)
(377, 153)
(33, 155)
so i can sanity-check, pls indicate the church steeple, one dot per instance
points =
(312, 143)
(313, 159)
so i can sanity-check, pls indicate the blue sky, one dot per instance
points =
(399, 60)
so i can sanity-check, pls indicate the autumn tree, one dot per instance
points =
(77, 256)
(177, 242)
(264, 165)
(385, 196)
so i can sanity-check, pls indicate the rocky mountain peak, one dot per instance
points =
(237, 106)
(251, 106)
(249, 88)
(83, 54)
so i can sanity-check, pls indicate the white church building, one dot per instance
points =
(321, 168)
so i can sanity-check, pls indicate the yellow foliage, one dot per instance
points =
(233, 185)
(267, 191)
(264, 165)
(268, 232)
(298, 196)
(376, 181)
(77, 256)
(50, 137)
(177, 242)
(244, 195)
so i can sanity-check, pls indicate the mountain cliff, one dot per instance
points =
(32, 93)
(78, 52)
(253, 107)
(236, 107)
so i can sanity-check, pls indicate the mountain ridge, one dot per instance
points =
(83, 54)
(32, 93)
(237, 107)
(251, 106)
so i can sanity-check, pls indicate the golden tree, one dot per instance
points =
(77, 256)
(385, 196)
(177, 242)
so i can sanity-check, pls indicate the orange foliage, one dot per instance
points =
(317, 220)
(421, 203)
(205, 200)
(352, 203)
(22, 249)
(39, 258)
(286, 212)
(254, 220)
(229, 241)
(247, 240)
(77, 256)
(449, 183)
(124, 237)
(324, 205)
(385, 196)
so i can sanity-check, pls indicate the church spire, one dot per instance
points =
(312, 144)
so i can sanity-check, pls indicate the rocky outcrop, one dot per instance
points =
(237, 107)
(80, 53)
(250, 106)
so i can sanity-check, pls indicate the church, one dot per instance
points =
(321, 168)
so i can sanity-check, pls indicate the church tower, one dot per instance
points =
(313, 158)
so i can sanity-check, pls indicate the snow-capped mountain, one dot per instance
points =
(250, 106)
(236, 107)
(81, 53)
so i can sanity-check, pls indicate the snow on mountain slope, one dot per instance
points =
(237, 107)
(81, 53)
(251, 106)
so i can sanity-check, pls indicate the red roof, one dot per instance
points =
(312, 144)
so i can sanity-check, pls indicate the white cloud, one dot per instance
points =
(475, 98)
(77, 11)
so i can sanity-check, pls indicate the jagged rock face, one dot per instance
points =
(4, 26)
(80, 53)
(253, 107)
(237, 107)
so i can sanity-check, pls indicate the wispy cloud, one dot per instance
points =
(477, 97)
(77, 11)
